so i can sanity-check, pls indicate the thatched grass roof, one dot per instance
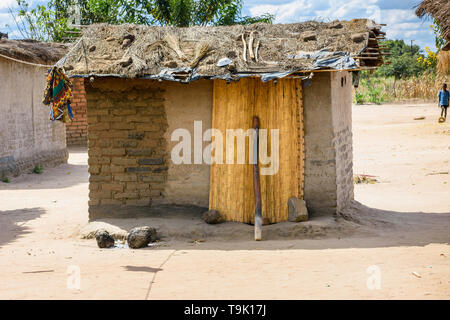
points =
(190, 53)
(439, 10)
(32, 51)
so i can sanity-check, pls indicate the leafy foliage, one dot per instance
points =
(429, 61)
(40, 23)
(438, 37)
(404, 61)
(38, 169)
(370, 90)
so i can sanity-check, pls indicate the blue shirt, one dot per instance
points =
(443, 97)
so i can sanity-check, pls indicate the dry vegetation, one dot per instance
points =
(379, 90)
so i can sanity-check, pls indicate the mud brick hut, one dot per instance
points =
(143, 83)
(27, 136)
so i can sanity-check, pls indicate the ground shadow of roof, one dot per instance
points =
(182, 228)
(13, 223)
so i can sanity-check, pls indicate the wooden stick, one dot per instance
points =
(79, 26)
(365, 58)
(245, 48)
(250, 45)
(256, 182)
(369, 53)
(256, 51)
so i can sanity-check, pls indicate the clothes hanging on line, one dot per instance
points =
(58, 93)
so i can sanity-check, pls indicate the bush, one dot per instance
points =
(359, 98)
(38, 169)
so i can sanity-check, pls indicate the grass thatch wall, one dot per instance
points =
(444, 63)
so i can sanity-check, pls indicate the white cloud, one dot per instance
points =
(5, 18)
(316, 9)
(5, 4)
(393, 16)
(291, 11)
(343, 9)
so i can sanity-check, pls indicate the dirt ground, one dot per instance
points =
(399, 249)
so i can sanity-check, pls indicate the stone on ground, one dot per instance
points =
(297, 210)
(212, 217)
(104, 239)
(140, 237)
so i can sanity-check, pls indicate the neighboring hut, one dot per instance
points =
(27, 136)
(440, 11)
(143, 83)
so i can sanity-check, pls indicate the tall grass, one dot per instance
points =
(388, 89)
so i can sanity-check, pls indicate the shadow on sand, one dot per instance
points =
(13, 223)
(359, 227)
(62, 176)
(141, 269)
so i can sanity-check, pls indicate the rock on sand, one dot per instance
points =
(140, 237)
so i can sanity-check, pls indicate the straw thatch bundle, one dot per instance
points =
(440, 11)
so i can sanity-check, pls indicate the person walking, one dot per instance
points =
(443, 96)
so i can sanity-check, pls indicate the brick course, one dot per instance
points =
(76, 132)
(125, 118)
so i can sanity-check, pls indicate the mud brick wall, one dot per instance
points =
(76, 131)
(341, 88)
(328, 143)
(126, 146)
(27, 136)
(188, 184)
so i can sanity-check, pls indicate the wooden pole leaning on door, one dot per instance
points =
(256, 182)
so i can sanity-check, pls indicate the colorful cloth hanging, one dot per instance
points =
(58, 92)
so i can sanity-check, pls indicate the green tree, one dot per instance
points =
(40, 23)
(403, 62)
(184, 13)
(51, 22)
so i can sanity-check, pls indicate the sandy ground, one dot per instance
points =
(400, 251)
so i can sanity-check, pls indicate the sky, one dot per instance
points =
(399, 15)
